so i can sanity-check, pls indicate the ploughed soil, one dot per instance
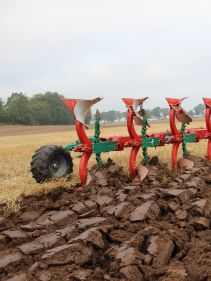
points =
(115, 230)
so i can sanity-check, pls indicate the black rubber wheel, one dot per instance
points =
(51, 162)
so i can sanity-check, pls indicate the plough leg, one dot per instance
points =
(209, 150)
(174, 153)
(132, 161)
(84, 176)
(176, 111)
(139, 172)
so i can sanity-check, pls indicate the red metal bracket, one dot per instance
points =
(207, 102)
(174, 102)
(177, 137)
(130, 118)
(129, 102)
(86, 143)
(132, 105)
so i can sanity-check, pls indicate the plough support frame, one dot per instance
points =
(176, 136)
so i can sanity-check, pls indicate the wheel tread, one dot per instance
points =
(40, 162)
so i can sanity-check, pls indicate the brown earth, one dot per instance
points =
(157, 230)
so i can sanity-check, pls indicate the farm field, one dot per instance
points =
(18, 143)
(116, 230)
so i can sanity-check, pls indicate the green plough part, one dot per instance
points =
(188, 138)
(98, 147)
(104, 146)
(150, 142)
(71, 146)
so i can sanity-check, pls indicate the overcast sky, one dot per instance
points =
(107, 48)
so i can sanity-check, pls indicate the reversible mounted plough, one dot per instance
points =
(51, 161)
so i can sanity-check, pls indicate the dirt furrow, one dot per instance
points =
(116, 230)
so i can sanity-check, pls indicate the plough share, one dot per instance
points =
(53, 161)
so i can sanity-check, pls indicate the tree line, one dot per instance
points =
(48, 109)
(41, 109)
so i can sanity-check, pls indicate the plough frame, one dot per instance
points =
(96, 145)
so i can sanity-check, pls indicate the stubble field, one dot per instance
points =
(18, 143)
